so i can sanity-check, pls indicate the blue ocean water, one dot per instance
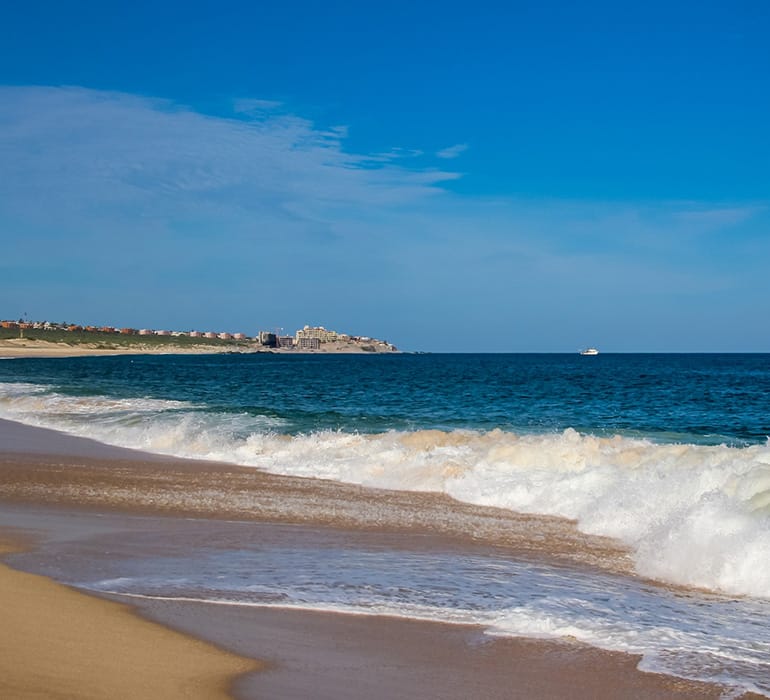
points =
(668, 454)
(707, 399)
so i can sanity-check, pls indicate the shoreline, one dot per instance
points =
(308, 652)
(23, 348)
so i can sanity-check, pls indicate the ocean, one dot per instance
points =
(667, 455)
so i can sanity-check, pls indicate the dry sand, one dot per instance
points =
(69, 642)
(58, 643)
(20, 347)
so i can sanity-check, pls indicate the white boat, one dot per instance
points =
(589, 351)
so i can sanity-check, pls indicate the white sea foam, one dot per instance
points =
(701, 654)
(154, 425)
(692, 514)
(698, 635)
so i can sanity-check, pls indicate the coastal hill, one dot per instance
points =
(24, 338)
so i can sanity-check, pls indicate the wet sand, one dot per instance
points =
(308, 654)
(349, 657)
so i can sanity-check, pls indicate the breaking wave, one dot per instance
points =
(696, 515)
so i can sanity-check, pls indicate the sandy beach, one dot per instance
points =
(24, 347)
(92, 647)
(21, 347)
(57, 643)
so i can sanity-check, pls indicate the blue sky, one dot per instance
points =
(504, 177)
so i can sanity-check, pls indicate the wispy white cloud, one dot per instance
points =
(396, 154)
(710, 217)
(452, 151)
(250, 105)
(69, 150)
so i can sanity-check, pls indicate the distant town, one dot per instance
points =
(309, 338)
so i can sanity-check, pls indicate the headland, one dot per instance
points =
(39, 339)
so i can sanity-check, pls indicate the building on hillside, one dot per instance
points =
(128, 331)
(323, 335)
(196, 334)
(309, 344)
(225, 336)
(285, 341)
(146, 331)
(267, 339)
(164, 333)
(239, 336)
(209, 334)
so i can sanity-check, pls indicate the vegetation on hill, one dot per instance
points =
(100, 339)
